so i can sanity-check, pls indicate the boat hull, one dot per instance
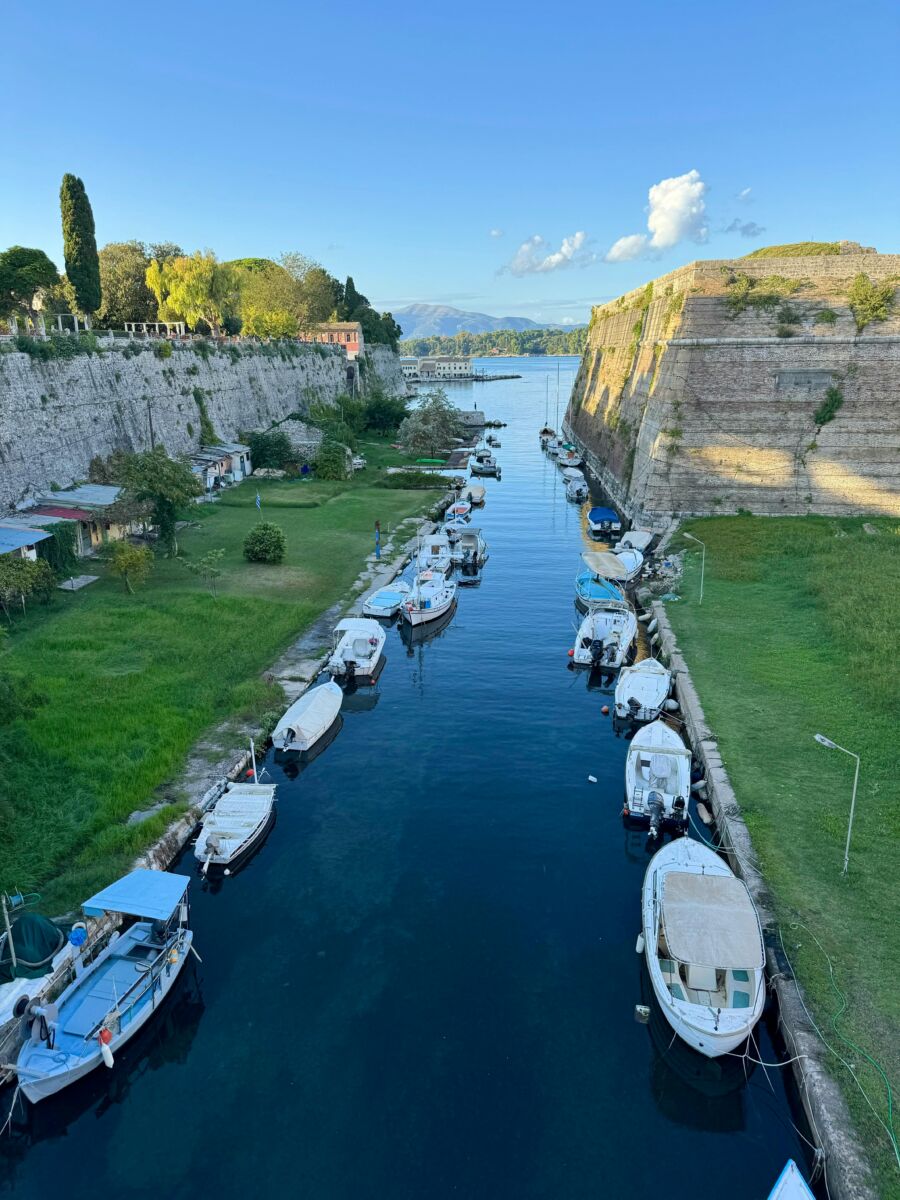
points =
(421, 616)
(244, 852)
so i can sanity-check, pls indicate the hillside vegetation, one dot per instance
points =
(797, 250)
(501, 341)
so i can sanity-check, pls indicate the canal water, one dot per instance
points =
(424, 983)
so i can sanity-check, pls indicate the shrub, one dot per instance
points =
(131, 563)
(332, 460)
(269, 448)
(825, 316)
(415, 481)
(59, 548)
(265, 543)
(827, 410)
(870, 301)
(163, 349)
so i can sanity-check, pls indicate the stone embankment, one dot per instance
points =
(56, 415)
(744, 384)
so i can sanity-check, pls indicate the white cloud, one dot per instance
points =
(495, 233)
(533, 257)
(744, 194)
(676, 211)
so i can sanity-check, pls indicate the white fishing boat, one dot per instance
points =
(552, 446)
(577, 490)
(545, 434)
(606, 637)
(434, 553)
(572, 473)
(635, 539)
(310, 717)
(471, 550)
(632, 561)
(459, 510)
(642, 691)
(432, 595)
(453, 530)
(484, 463)
(658, 779)
(235, 827)
(112, 997)
(474, 493)
(602, 522)
(357, 646)
(790, 1185)
(568, 456)
(385, 602)
(704, 947)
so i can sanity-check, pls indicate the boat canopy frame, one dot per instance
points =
(151, 895)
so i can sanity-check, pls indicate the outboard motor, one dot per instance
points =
(657, 806)
(597, 649)
(680, 813)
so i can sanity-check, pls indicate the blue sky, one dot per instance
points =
(389, 142)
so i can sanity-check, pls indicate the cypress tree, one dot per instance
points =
(80, 244)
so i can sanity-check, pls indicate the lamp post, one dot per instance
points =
(827, 742)
(691, 538)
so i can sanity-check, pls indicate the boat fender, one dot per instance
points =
(570, 653)
(639, 945)
(104, 1037)
(654, 641)
(699, 787)
(173, 955)
(653, 626)
(605, 710)
(704, 814)
(644, 617)
(671, 706)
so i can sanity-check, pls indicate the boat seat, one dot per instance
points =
(701, 979)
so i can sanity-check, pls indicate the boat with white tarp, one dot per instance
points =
(112, 997)
(704, 947)
(635, 539)
(309, 718)
(235, 827)
(642, 691)
(658, 779)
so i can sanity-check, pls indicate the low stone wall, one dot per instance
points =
(847, 1169)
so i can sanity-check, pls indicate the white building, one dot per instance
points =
(436, 366)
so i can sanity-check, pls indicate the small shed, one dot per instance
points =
(21, 543)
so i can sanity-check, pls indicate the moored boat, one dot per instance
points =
(704, 947)
(484, 463)
(593, 586)
(112, 997)
(474, 493)
(602, 522)
(459, 510)
(790, 1184)
(236, 827)
(431, 596)
(434, 551)
(577, 490)
(658, 779)
(309, 718)
(635, 539)
(357, 646)
(470, 550)
(632, 561)
(642, 691)
(606, 638)
(385, 602)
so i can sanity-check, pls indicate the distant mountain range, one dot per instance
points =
(440, 320)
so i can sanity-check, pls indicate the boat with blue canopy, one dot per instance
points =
(112, 997)
(603, 521)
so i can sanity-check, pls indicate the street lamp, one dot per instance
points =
(691, 538)
(827, 742)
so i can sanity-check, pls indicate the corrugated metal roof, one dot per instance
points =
(65, 514)
(34, 520)
(92, 495)
(15, 539)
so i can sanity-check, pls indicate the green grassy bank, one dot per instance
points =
(797, 635)
(131, 682)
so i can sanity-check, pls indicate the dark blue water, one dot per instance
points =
(424, 983)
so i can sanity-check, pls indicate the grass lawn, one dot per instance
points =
(798, 634)
(131, 682)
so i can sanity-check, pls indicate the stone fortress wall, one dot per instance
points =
(684, 408)
(56, 415)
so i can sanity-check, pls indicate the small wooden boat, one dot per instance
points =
(790, 1184)
(432, 595)
(235, 827)
(309, 718)
(704, 947)
(357, 646)
(657, 779)
(385, 602)
(459, 510)
(112, 997)
(642, 691)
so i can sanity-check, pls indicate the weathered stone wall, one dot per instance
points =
(685, 408)
(55, 416)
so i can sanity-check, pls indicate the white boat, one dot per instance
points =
(573, 473)
(545, 434)
(385, 602)
(309, 717)
(593, 586)
(568, 456)
(552, 446)
(632, 561)
(603, 521)
(484, 463)
(790, 1184)
(642, 691)
(635, 539)
(605, 637)
(658, 779)
(357, 646)
(453, 530)
(459, 510)
(471, 550)
(432, 595)
(474, 493)
(434, 553)
(236, 826)
(704, 947)
(577, 491)
(112, 997)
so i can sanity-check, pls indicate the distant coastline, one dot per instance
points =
(501, 343)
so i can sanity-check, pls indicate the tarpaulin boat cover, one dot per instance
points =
(710, 920)
(605, 564)
(143, 893)
(36, 941)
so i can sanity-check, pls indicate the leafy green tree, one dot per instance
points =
(80, 244)
(391, 330)
(123, 281)
(384, 414)
(271, 448)
(265, 543)
(271, 299)
(166, 483)
(162, 252)
(209, 568)
(870, 301)
(131, 563)
(194, 288)
(24, 274)
(21, 578)
(432, 426)
(332, 460)
(354, 301)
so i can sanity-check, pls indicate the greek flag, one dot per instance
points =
(258, 501)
